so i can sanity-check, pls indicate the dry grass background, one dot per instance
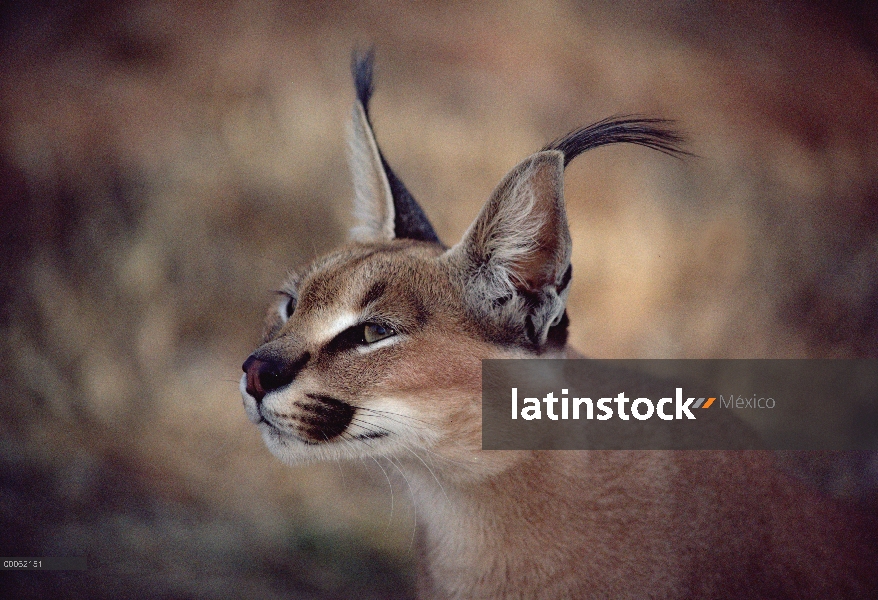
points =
(163, 164)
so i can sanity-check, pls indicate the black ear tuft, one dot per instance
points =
(652, 133)
(361, 70)
(410, 222)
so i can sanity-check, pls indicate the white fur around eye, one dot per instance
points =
(388, 341)
(337, 324)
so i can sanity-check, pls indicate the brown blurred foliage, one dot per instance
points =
(162, 164)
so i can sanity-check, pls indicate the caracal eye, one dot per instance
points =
(287, 308)
(373, 332)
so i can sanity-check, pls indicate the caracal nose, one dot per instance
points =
(264, 376)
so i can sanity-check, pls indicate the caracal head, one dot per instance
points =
(375, 349)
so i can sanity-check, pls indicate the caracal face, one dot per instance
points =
(367, 353)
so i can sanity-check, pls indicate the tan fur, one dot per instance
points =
(525, 524)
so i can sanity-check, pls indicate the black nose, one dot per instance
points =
(267, 374)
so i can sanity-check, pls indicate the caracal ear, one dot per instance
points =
(383, 207)
(514, 260)
(373, 202)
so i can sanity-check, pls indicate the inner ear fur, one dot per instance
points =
(515, 257)
(373, 200)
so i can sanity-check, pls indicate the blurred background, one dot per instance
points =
(163, 165)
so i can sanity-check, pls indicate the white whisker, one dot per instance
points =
(441, 487)
(414, 503)
(387, 477)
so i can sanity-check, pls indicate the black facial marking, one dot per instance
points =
(346, 340)
(353, 336)
(327, 417)
(374, 293)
